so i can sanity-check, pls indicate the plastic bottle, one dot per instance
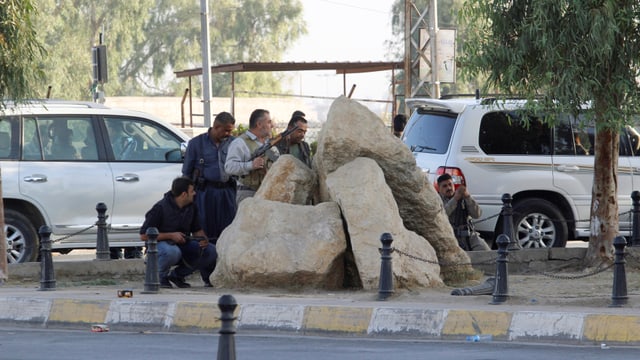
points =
(480, 338)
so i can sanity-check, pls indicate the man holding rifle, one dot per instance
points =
(176, 218)
(294, 143)
(251, 154)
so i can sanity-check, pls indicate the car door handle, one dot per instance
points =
(567, 168)
(36, 178)
(127, 178)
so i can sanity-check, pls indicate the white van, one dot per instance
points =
(548, 170)
(60, 159)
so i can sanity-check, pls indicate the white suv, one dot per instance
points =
(60, 159)
(548, 170)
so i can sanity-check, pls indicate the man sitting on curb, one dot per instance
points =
(176, 218)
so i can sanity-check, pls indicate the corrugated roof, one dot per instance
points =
(339, 67)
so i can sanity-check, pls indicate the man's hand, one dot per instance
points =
(203, 243)
(258, 163)
(177, 237)
(461, 193)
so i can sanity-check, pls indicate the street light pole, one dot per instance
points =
(206, 60)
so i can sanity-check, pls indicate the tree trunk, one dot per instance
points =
(604, 200)
(4, 274)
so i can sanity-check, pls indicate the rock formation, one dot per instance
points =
(366, 183)
(274, 244)
(369, 210)
(352, 131)
(291, 182)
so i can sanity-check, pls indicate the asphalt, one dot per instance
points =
(570, 307)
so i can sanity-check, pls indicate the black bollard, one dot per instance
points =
(385, 289)
(227, 342)
(635, 211)
(151, 276)
(619, 296)
(47, 276)
(501, 291)
(102, 243)
(507, 222)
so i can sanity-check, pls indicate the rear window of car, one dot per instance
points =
(512, 133)
(429, 131)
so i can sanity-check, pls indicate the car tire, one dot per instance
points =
(539, 224)
(22, 238)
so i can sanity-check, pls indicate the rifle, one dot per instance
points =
(271, 143)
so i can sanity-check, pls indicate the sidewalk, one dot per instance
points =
(539, 309)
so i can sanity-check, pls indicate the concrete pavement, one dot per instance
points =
(539, 309)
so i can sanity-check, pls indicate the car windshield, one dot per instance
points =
(429, 132)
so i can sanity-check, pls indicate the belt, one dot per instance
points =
(220, 184)
(245, 188)
(462, 232)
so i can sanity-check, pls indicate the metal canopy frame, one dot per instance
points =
(343, 68)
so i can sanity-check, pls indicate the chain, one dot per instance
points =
(75, 233)
(634, 256)
(485, 219)
(628, 212)
(574, 277)
(439, 263)
(493, 261)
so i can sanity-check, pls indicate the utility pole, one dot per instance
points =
(206, 60)
(433, 41)
(429, 51)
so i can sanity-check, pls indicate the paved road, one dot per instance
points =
(58, 344)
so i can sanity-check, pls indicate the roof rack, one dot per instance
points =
(58, 103)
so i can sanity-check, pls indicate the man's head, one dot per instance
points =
(297, 136)
(297, 113)
(399, 122)
(260, 123)
(182, 190)
(223, 125)
(445, 186)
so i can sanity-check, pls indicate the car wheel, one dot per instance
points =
(22, 238)
(539, 224)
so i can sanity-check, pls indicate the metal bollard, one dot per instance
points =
(151, 276)
(501, 291)
(385, 288)
(619, 295)
(635, 210)
(507, 222)
(102, 242)
(227, 342)
(47, 276)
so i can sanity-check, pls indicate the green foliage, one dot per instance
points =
(314, 147)
(148, 40)
(20, 52)
(563, 53)
(239, 130)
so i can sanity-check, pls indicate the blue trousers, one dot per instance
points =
(217, 208)
(188, 257)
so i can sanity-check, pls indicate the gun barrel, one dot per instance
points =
(272, 142)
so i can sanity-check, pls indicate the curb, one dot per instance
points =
(201, 317)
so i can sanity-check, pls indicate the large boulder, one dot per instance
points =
(274, 244)
(370, 210)
(353, 131)
(289, 180)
